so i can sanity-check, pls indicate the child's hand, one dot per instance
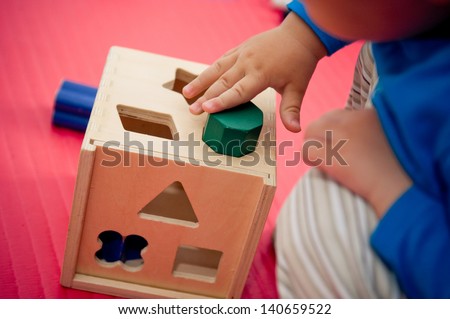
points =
(283, 58)
(371, 169)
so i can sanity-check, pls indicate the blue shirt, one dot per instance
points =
(412, 99)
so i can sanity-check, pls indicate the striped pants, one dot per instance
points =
(322, 233)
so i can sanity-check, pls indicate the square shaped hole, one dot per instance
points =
(197, 263)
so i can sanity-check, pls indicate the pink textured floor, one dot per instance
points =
(45, 41)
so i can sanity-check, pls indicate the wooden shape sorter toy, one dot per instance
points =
(156, 212)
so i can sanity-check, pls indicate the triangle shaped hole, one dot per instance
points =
(171, 206)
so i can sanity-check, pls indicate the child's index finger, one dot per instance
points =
(189, 90)
(198, 85)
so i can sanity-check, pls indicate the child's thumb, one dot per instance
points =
(291, 101)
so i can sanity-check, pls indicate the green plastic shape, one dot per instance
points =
(235, 131)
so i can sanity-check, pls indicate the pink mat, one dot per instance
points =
(43, 42)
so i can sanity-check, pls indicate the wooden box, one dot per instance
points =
(156, 213)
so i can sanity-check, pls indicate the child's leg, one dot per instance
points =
(322, 244)
(322, 234)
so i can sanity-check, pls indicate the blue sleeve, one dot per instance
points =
(331, 44)
(411, 99)
(413, 240)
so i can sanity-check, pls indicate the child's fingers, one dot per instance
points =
(224, 83)
(210, 75)
(196, 107)
(242, 91)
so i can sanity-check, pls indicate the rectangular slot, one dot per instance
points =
(147, 122)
